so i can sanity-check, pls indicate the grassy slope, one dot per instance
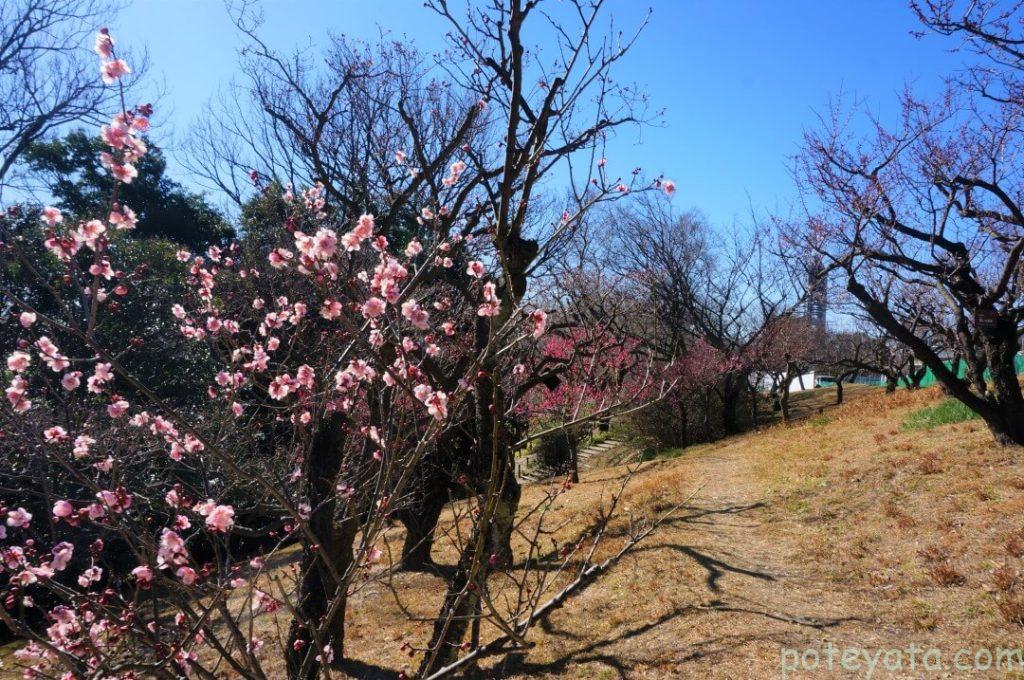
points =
(843, 527)
(846, 527)
(870, 535)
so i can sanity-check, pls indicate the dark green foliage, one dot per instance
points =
(555, 449)
(139, 325)
(263, 217)
(70, 167)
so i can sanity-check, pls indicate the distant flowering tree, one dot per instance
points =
(341, 360)
(787, 348)
(601, 373)
(693, 372)
(704, 292)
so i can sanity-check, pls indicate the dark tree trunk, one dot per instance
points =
(706, 417)
(891, 382)
(319, 589)
(754, 416)
(492, 533)
(791, 372)
(502, 479)
(684, 424)
(460, 602)
(730, 396)
(1007, 418)
(499, 540)
(574, 457)
(1007, 429)
(840, 380)
(420, 522)
(915, 375)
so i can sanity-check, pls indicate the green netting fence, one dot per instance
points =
(961, 370)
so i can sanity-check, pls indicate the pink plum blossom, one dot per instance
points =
(90, 576)
(104, 44)
(62, 553)
(117, 408)
(187, 575)
(143, 575)
(113, 70)
(55, 434)
(19, 518)
(539, 318)
(416, 315)
(476, 268)
(330, 309)
(221, 518)
(51, 216)
(373, 308)
(18, 361)
(492, 304)
(71, 381)
(62, 509)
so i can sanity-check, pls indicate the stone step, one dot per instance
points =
(526, 474)
(599, 448)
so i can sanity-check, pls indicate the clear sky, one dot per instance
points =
(739, 81)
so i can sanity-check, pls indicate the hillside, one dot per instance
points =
(845, 528)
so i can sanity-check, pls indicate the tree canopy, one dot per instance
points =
(70, 168)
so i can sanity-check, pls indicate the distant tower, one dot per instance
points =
(817, 284)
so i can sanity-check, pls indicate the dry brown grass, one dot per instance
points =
(921, 519)
(845, 529)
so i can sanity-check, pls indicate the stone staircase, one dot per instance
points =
(529, 469)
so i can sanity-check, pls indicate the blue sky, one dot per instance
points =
(739, 81)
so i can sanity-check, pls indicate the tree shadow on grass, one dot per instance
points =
(354, 668)
(516, 663)
(716, 567)
(696, 515)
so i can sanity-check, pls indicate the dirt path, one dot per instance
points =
(717, 594)
(756, 597)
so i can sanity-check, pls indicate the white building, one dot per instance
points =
(808, 381)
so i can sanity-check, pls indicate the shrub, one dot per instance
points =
(555, 449)
(946, 575)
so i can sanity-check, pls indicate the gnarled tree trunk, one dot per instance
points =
(1006, 419)
(323, 562)
(420, 522)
